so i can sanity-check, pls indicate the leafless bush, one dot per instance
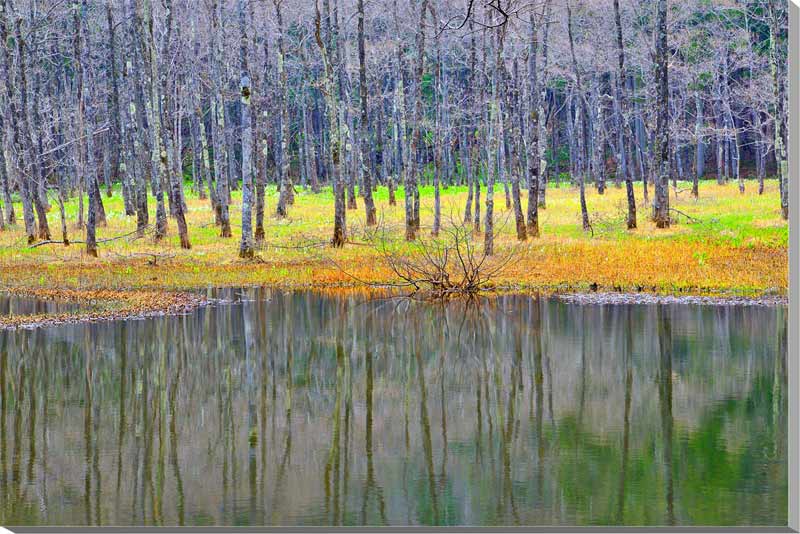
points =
(448, 265)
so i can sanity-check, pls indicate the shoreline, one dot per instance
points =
(614, 299)
(103, 305)
(135, 304)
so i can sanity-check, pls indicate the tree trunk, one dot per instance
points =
(512, 131)
(286, 196)
(438, 134)
(466, 162)
(541, 117)
(85, 149)
(334, 139)
(152, 105)
(411, 190)
(533, 132)
(777, 65)
(246, 244)
(218, 122)
(661, 163)
(366, 182)
(580, 120)
(700, 157)
(495, 136)
(17, 117)
(624, 139)
(117, 167)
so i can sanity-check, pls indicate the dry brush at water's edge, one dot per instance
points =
(166, 290)
(102, 305)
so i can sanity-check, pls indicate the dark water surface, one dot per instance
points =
(301, 409)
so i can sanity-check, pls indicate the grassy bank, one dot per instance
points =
(733, 244)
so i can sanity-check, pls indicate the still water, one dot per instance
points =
(305, 409)
(14, 305)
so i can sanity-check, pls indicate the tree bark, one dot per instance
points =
(661, 163)
(700, 157)
(580, 119)
(366, 182)
(85, 156)
(624, 140)
(158, 165)
(286, 196)
(779, 103)
(246, 245)
(411, 190)
(334, 139)
(533, 133)
(221, 155)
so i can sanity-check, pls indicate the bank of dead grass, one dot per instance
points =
(733, 245)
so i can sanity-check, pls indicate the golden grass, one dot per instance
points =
(738, 247)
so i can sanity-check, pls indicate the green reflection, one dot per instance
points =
(298, 409)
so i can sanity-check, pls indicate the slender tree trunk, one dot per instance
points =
(221, 154)
(495, 122)
(152, 105)
(140, 183)
(262, 157)
(85, 149)
(115, 137)
(481, 163)
(623, 121)
(438, 133)
(512, 130)
(468, 130)
(700, 157)
(533, 133)
(761, 156)
(661, 163)
(16, 117)
(5, 184)
(246, 244)
(366, 183)
(779, 97)
(286, 196)
(466, 160)
(411, 190)
(334, 149)
(35, 177)
(581, 117)
(540, 115)
(3, 177)
(43, 174)
(171, 153)
(397, 137)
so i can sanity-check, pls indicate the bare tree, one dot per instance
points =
(246, 245)
(623, 138)
(661, 163)
(366, 182)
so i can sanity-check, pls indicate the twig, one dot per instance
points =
(689, 217)
(78, 241)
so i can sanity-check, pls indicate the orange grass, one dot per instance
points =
(738, 247)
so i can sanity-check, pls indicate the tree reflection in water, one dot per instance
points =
(304, 409)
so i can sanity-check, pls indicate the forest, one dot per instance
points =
(158, 121)
(395, 262)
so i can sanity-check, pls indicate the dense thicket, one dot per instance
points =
(157, 96)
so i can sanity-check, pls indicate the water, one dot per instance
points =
(303, 409)
(11, 305)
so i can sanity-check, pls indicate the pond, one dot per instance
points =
(307, 409)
